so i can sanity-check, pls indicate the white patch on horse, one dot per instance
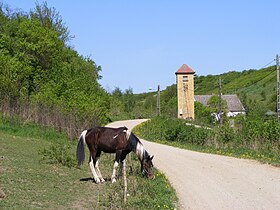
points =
(115, 136)
(128, 132)
(140, 150)
(113, 179)
(98, 171)
(83, 134)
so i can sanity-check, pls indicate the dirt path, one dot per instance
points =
(207, 181)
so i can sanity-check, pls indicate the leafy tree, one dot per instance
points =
(169, 101)
(214, 104)
(50, 18)
(129, 101)
(202, 113)
(117, 93)
(36, 64)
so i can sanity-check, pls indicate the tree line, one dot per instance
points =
(40, 74)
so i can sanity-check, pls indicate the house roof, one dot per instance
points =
(233, 102)
(185, 69)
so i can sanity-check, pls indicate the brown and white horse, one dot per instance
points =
(112, 140)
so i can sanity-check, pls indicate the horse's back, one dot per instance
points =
(107, 139)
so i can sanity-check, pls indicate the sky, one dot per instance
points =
(142, 43)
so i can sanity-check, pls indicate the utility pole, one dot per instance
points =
(220, 103)
(158, 101)
(277, 88)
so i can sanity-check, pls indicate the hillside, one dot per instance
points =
(249, 81)
(255, 88)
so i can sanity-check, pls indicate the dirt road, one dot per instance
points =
(207, 181)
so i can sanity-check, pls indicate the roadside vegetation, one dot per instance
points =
(249, 139)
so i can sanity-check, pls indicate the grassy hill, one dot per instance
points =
(250, 81)
(255, 88)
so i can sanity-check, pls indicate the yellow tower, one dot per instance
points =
(185, 92)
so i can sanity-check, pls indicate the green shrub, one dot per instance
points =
(163, 128)
(225, 134)
(59, 153)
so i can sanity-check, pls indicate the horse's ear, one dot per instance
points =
(152, 157)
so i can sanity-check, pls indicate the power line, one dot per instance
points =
(268, 64)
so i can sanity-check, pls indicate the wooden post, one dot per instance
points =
(158, 101)
(125, 182)
(220, 103)
(277, 88)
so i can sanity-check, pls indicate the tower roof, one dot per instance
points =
(184, 69)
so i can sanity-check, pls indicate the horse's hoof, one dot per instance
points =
(97, 181)
(102, 180)
(114, 180)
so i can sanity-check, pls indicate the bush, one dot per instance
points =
(59, 153)
(257, 135)
(163, 128)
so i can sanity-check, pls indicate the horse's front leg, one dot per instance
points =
(116, 164)
(122, 163)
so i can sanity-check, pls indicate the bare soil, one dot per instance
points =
(207, 181)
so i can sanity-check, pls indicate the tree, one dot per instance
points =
(36, 64)
(129, 101)
(117, 93)
(202, 113)
(50, 18)
(214, 104)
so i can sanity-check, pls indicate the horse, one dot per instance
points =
(112, 140)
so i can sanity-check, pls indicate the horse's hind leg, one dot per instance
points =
(116, 164)
(91, 165)
(97, 169)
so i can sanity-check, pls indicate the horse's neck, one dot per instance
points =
(140, 151)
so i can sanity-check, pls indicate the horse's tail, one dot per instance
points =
(80, 153)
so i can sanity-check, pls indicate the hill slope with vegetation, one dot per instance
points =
(41, 75)
(255, 88)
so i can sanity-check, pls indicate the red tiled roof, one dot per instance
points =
(185, 69)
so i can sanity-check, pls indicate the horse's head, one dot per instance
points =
(147, 167)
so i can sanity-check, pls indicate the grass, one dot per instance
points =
(29, 181)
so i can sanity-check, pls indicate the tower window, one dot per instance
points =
(185, 79)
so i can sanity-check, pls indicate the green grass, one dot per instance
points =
(29, 181)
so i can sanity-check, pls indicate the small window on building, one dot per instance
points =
(185, 79)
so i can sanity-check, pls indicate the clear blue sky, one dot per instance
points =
(142, 43)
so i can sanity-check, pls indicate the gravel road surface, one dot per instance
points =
(207, 181)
